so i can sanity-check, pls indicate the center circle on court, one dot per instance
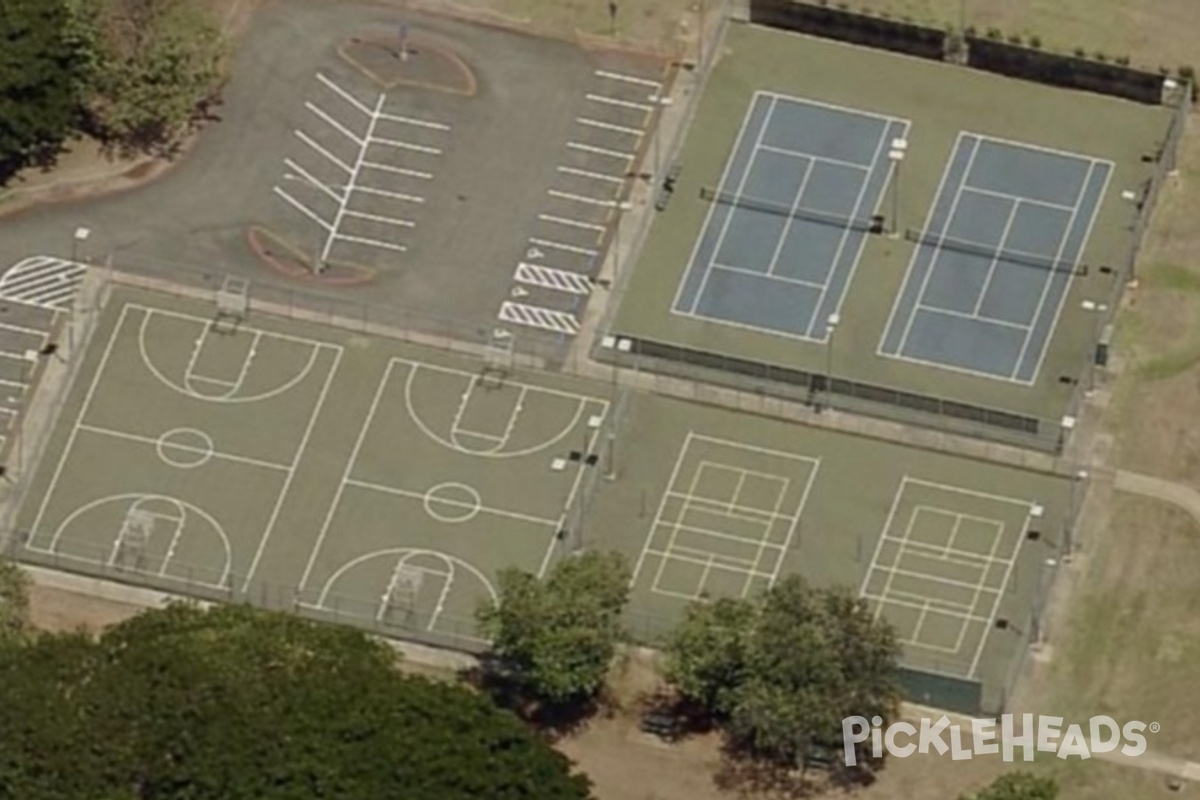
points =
(452, 502)
(185, 448)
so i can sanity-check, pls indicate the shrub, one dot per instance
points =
(995, 34)
(1035, 42)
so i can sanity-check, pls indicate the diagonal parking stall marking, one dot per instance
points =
(583, 173)
(409, 173)
(349, 98)
(609, 126)
(416, 148)
(339, 127)
(417, 123)
(552, 278)
(620, 76)
(352, 183)
(308, 140)
(612, 101)
(537, 317)
(303, 209)
(325, 188)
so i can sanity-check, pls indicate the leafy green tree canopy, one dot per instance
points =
(555, 638)
(14, 602)
(236, 704)
(40, 81)
(1017, 786)
(781, 671)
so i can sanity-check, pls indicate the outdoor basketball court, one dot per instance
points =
(992, 268)
(296, 466)
(790, 216)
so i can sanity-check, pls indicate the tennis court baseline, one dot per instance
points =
(825, 169)
(994, 263)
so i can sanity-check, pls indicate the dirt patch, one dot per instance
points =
(57, 610)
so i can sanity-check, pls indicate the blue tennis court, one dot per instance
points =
(790, 216)
(993, 265)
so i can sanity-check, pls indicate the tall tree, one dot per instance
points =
(14, 602)
(157, 67)
(555, 638)
(236, 704)
(1017, 786)
(781, 671)
(41, 73)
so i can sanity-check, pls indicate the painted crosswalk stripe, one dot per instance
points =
(546, 319)
(617, 76)
(43, 281)
(551, 278)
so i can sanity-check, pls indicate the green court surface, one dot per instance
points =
(939, 101)
(383, 485)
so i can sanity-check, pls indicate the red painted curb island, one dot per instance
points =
(290, 265)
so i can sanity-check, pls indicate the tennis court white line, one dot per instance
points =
(572, 223)
(949, 554)
(731, 510)
(975, 586)
(996, 600)
(728, 537)
(952, 608)
(308, 140)
(566, 248)
(942, 234)
(1000, 250)
(732, 561)
(612, 101)
(411, 173)
(813, 157)
(949, 312)
(608, 126)
(814, 462)
(791, 219)
(617, 76)
(399, 248)
(403, 223)
(738, 192)
(1062, 244)
(1017, 199)
(971, 492)
(1087, 235)
(674, 534)
(578, 198)
(804, 101)
(583, 173)
(966, 618)
(753, 273)
(912, 261)
(983, 137)
(600, 151)
(318, 407)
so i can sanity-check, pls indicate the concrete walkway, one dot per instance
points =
(1177, 494)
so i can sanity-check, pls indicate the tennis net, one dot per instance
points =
(870, 225)
(990, 251)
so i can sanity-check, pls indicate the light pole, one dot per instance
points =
(77, 241)
(660, 103)
(830, 329)
(896, 155)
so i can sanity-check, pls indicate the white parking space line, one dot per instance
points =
(411, 173)
(303, 209)
(372, 242)
(612, 101)
(308, 140)
(418, 123)
(583, 173)
(407, 198)
(402, 223)
(577, 198)
(552, 278)
(617, 76)
(334, 123)
(566, 248)
(349, 98)
(608, 126)
(588, 148)
(352, 183)
(537, 317)
(337, 198)
(572, 223)
(416, 148)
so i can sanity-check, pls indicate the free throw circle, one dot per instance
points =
(452, 502)
(185, 448)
